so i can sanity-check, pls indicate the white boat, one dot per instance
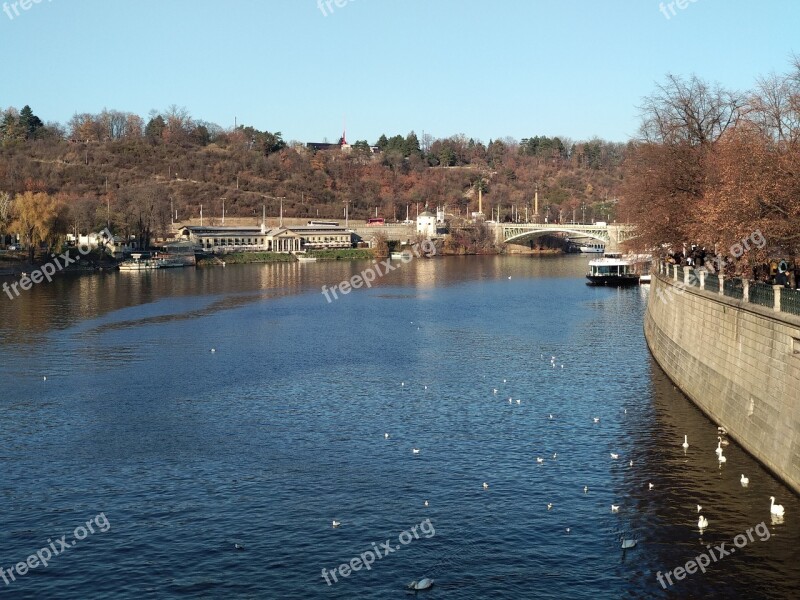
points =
(138, 263)
(591, 248)
(617, 270)
(306, 259)
(400, 255)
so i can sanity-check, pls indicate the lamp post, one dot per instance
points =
(223, 210)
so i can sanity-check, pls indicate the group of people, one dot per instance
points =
(776, 272)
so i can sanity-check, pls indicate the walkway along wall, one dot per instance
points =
(738, 362)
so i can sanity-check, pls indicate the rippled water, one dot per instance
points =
(264, 442)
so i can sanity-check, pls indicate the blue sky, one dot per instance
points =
(486, 69)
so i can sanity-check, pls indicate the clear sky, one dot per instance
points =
(487, 69)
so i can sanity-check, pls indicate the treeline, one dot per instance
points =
(139, 174)
(713, 166)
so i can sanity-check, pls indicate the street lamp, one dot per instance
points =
(223, 210)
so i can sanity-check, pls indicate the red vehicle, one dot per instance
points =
(376, 221)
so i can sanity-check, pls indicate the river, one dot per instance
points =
(194, 433)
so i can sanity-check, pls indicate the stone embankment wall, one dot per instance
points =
(738, 362)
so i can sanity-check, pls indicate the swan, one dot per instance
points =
(699, 508)
(650, 486)
(494, 390)
(722, 459)
(415, 450)
(628, 543)
(336, 523)
(485, 485)
(722, 431)
(549, 505)
(723, 442)
(426, 503)
(551, 415)
(596, 419)
(630, 464)
(539, 459)
(510, 401)
(567, 529)
(744, 480)
(519, 401)
(702, 522)
(422, 584)
(386, 436)
(685, 442)
(237, 546)
(614, 508)
(213, 350)
(555, 455)
(775, 509)
(719, 447)
(614, 456)
(585, 489)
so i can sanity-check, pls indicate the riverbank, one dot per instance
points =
(736, 360)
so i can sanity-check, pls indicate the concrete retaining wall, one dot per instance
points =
(738, 362)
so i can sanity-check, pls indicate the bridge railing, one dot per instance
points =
(776, 297)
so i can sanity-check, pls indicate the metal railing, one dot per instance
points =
(761, 294)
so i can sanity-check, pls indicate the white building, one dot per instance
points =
(426, 224)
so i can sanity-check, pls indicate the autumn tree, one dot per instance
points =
(38, 217)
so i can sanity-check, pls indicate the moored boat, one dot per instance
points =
(617, 270)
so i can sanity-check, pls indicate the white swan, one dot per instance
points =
(614, 455)
(485, 485)
(585, 489)
(722, 431)
(596, 419)
(702, 522)
(336, 523)
(628, 543)
(549, 505)
(415, 450)
(386, 436)
(744, 480)
(722, 459)
(719, 447)
(539, 459)
(614, 508)
(426, 503)
(650, 486)
(775, 509)
(685, 442)
(723, 442)
(555, 455)
(422, 584)
(519, 401)
(551, 415)
(630, 464)
(699, 508)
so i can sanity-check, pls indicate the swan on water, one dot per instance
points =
(485, 485)
(775, 509)
(685, 442)
(722, 459)
(614, 455)
(426, 503)
(650, 486)
(551, 415)
(422, 584)
(519, 401)
(213, 350)
(699, 508)
(585, 489)
(744, 480)
(555, 455)
(628, 543)
(702, 522)
(723, 442)
(630, 464)
(614, 508)
(386, 436)
(719, 447)
(539, 459)
(415, 450)
(596, 419)
(549, 505)
(336, 523)
(722, 431)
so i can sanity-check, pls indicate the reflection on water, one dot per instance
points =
(265, 441)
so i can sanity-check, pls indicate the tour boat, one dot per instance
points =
(591, 248)
(138, 263)
(306, 259)
(615, 270)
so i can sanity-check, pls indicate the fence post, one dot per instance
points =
(777, 291)
(687, 271)
(721, 284)
(745, 290)
(702, 279)
(675, 272)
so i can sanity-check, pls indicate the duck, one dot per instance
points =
(744, 480)
(702, 522)
(685, 442)
(775, 509)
